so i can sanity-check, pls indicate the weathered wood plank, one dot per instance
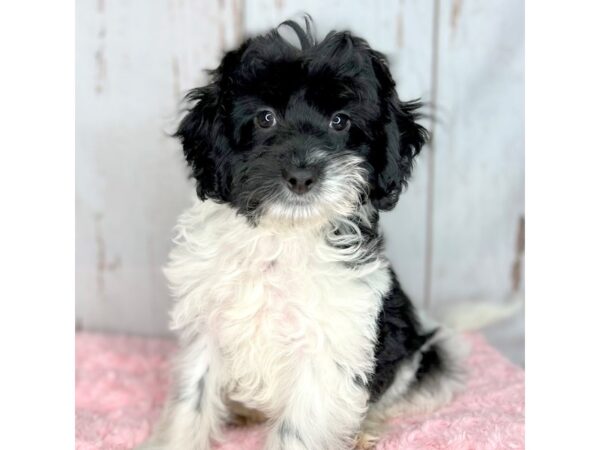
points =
(478, 198)
(134, 61)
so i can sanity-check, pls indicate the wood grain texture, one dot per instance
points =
(478, 202)
(134, 61)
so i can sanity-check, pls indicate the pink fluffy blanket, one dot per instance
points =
(121, 383)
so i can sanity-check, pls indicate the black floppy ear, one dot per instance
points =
(196, 133)
(202, 131)
(204, 143)
(400, 140)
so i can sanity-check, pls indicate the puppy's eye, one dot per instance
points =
(339, 122)
(265, 119)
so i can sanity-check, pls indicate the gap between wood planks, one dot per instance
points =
(429, 208)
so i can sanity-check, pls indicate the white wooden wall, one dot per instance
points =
(456, 234)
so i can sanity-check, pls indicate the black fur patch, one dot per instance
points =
(400, 336)
(432, 363)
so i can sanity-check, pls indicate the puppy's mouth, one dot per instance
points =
(320, 195)
(317, 188)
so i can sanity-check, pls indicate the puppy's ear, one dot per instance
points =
(197, 134)
(202, 133)
(400, 139)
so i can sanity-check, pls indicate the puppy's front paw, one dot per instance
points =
(365, 441)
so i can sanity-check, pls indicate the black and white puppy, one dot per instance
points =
(286, 306)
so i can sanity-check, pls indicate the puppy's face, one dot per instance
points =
(299, 134)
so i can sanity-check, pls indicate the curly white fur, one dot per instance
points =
(261, 310)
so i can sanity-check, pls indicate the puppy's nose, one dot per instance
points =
(299, 180)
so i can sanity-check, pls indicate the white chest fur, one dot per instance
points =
(271, 298)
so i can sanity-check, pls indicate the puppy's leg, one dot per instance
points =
(422, 384)
(324, 407)
(194, 412)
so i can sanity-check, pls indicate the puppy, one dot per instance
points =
(286, 307)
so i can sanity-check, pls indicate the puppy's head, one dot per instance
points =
(306, 132)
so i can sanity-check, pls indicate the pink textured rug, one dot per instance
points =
(122, 382)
